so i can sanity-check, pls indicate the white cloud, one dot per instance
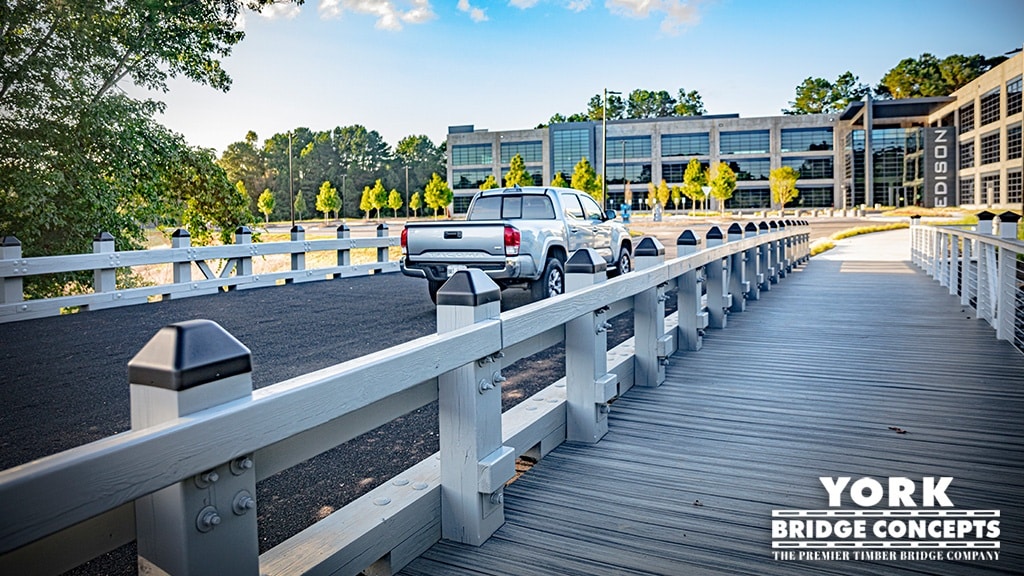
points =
(577, 5)
(391, 14)
(678, 13)
(523, 4)
(475, 14)
(279, 10)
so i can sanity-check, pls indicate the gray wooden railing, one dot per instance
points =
(188, 263)
(182, 482)
(983, 265)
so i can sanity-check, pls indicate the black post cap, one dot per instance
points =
(986, 215)
(782, 224)
(585, 261)
(649, 246)
(773, 225)
(189, 354)
(471, 287)
(735, 228)
(715, 233)
(9, 241)
(382, 226)
(1009, 217)
(103, 237)
(343, 228)
(750, 227)
(687, 238)
(243, 230)
(762, 226)
(297, 228)
(180, 233)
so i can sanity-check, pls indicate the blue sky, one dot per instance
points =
(404, 67)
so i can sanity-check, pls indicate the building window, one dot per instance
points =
(967, 190)
(749, 142)
(469, 179)
(529, 151)
(635, 173)
(814, 197)
(685, 145)
(967, 154)
(990, 107)
(673, 172)
(471, 154)
(1013, 142)
(990, 188)
(633, 147)
(1014, 194)
(807, 139)
(1013, 92)
(569, 147)
(751, 169)
(749, 198)
(990, 148)
(534, 173)
(812, 167)
(460, 204)
(967, 118)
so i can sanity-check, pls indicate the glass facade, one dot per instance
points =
(745, 198)
(1013, 95)
(535, 173)
(685, 145)
(531, 152)
(967, 190)
(751, 169)
(989, 148)
(637, 173)
(471, 154)
(807, 139)
(569, 146)
(673, 172)
(967, 118)
(990, 107)
(813, 197)
(468, 179)
(967, 154)
(747, 142)
(1014, 194)
(1013, 142)
(889, 167)
(812, 167)
(631, 147)
(990, 188)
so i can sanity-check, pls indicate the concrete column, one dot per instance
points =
(649, 319)
(474, 464)
(738, 285)
(589, 386)
(13, 286)
(692, 317)
(205, 524)
(719, 300)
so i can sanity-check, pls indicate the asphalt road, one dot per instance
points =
(63, 380)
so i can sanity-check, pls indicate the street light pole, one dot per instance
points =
(604, 147)
(406, 191)
(291, 194)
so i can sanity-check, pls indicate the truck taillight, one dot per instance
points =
(512, 241)
(405, 241)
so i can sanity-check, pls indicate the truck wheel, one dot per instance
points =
(433, 286)
(551, 283)
(623, 265)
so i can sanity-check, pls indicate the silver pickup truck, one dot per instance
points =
(519, 237)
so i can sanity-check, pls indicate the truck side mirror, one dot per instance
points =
(609, 214)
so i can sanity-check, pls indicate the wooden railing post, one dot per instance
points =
(767, 263)
(738, 285)
(105, 279)
(205, 524)
(785, 263)
(298, 234)
(344, 258)
(589, 387)
(1006, 303)
(718, 282)
(753, 274)
(474, 464)
(182, 271)
(692, 317)
(14, 287)
(987, 271)
(382, 252)
(243, 235)
(651, 343)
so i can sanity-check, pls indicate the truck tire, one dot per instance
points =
(433, 286)
(623, 264)
(551, 282)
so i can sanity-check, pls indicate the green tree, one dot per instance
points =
(930, 76)
(694, 180)
(648, 104)
(723, 183)
(585, 179)
(676, 195)
(689, 104)
(415, 203)
(517, 174)
(395, 201)
(265, 204)
(616, 107)
(299, 206)
(437, 194)
(366, 201)
(782, 182)
(243, 161)
(328, 200)
(819, 96)
(559, 181)
(489, 183)
(422, 157)
(378, 196)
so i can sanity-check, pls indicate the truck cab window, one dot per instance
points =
(572, 206)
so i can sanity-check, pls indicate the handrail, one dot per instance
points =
(43, 502)
(983, 265)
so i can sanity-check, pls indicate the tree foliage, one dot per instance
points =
(819, 96)
(782, 182)
(395, 201)
(328, 200)
(517, 174)
(930, 76)
(585, 179)
(265, 203)
(489, 183)
(559, 181)
(723, 183)
(694, 180)
(415, 203)
(437, 194)
(299, 206)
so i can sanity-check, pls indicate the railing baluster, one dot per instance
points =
(649, 319)
(692, 318)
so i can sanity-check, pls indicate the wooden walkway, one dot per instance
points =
(806, 383)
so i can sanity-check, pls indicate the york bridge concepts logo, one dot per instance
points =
(918, 522)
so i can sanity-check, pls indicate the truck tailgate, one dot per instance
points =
(456, 241)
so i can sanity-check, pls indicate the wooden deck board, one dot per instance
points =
(806, 383)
